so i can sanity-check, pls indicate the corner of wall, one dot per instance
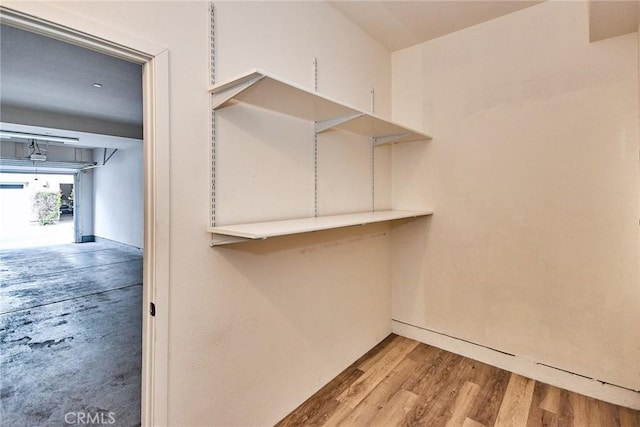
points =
(496, 96)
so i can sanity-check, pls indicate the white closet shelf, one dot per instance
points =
(263, 90)
(262, 230)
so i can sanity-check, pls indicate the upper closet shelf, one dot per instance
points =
(266, 91)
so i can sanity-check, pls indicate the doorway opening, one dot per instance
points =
(154, 59)
(71, 314)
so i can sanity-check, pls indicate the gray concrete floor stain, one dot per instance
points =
(70, 341)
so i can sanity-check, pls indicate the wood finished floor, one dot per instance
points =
(401, 382)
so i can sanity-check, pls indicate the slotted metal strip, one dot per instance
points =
(315, 145)
(373, 155)
(315, 173)
(212, 130)
(373, 175)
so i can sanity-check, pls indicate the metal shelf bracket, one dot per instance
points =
(226, 93)
(389, 139)
(329, 124)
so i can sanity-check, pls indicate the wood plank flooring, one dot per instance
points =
(401, 382)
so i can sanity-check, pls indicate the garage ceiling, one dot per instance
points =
(46, 79)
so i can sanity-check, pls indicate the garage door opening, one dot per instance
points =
(36, 210)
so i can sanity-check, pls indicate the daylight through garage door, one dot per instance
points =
(36, 210)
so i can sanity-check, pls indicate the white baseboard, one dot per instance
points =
(527, 368)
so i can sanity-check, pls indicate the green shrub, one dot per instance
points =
(46, 205)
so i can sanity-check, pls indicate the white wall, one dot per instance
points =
(118, 196)
(302, 307)
(256, 329)
(533, 175)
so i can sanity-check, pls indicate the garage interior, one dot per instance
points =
(70, 314)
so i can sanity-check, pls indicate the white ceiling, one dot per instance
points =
(612, 18)
(400, 24)
(45, 78)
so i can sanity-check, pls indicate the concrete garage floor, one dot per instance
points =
(70, 335)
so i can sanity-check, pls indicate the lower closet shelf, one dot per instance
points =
(261, 230)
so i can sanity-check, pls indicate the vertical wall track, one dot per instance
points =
(212, 80)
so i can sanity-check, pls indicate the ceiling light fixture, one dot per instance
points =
(39, 137)
(98, 85)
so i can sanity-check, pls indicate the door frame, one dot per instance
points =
(52, 21)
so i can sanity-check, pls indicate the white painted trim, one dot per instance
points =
(155, 391)
(530, 369)
(51, 21)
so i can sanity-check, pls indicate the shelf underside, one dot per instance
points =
(265, 91)
(263, 230)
